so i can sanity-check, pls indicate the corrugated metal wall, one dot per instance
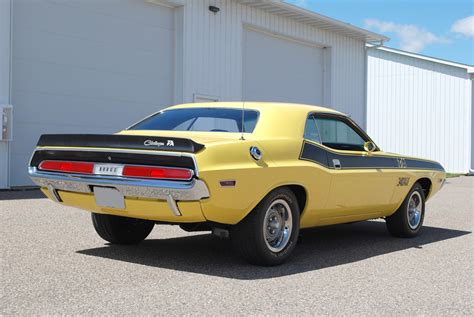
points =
(4, 83)
(420, 108)
(86, 67)
(212, 61)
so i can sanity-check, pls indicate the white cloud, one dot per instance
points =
(412, 37)
(464, 26)
(301, 3)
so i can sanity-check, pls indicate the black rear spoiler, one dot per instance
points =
(136, 142)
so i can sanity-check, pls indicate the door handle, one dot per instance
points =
(336, 163)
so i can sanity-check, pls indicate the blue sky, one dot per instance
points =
(438, 28)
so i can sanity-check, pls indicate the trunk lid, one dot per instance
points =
(204, 138)
(117, 141)
(169, 151)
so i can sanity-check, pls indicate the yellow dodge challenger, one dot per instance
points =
(254, 172)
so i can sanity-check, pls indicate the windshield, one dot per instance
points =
(200, 119)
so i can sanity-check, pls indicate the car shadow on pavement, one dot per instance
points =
(319, 248)
(18, 194)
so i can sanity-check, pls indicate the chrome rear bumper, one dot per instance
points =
(171, 191)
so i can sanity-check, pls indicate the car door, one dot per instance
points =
(360, 183)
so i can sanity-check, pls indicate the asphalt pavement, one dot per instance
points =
(53, 262)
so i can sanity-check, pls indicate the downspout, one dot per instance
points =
(10, 99)
(368, 46)
(471, 76)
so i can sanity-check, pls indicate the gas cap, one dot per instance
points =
(255, 153)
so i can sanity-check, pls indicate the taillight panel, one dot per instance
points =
(67, 167)
(126, 170)
(157, 172)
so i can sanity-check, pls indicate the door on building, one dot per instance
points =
(281, 69)
(86, 67)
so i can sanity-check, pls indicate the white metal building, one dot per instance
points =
(96, 66)
(421, 106)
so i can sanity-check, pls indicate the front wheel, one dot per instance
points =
(406, 222)
(268, 235)
(121, 230)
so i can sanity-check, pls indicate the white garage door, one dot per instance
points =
(279, 69)
(86, 67)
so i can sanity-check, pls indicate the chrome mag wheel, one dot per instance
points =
(277, 225)
(414, 210)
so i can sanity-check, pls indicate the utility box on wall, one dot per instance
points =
(6, 123)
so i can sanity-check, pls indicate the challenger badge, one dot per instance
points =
(169, 143)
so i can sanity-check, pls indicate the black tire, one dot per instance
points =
(248, 237)
(398, 224)
(121, 230)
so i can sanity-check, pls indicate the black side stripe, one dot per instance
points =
(420, 164)
(317, 154)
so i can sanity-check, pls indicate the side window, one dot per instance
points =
(337, 134)
(311, 130)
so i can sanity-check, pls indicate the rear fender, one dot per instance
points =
(254, 179)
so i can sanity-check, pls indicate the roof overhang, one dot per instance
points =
(319, 21)
(468, 68)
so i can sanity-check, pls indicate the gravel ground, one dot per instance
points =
(52, 262)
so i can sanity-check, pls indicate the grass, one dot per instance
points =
(452, 175)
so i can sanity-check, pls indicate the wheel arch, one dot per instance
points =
(426, 184)
(298, 190)
(301, 195)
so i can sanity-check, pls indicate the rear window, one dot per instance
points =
(201, 119)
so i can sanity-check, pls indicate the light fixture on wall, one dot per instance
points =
(214, 9)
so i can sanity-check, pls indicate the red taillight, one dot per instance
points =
(128, 170)
(68, 167)
(157, 172)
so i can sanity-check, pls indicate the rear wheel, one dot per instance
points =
(121, 230)
(406, 222)
(268, 235)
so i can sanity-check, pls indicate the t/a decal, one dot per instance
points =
(402, 163)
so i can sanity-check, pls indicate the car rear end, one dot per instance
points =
(146, 177)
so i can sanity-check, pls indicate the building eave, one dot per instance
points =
(468, 68)
(314, 19)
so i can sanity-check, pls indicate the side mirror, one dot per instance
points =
(369, 146)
